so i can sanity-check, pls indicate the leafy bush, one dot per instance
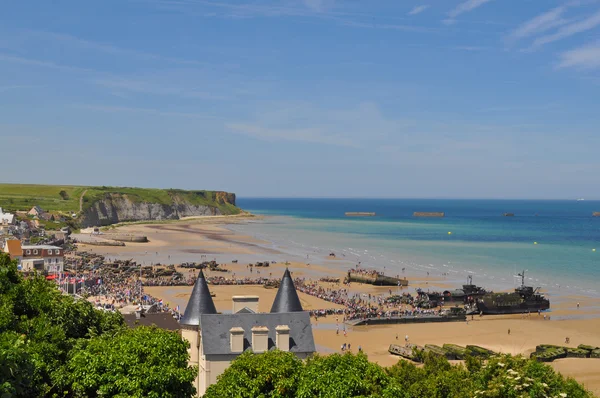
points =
(54, 345)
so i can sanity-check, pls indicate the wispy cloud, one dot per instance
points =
(539, 24)
(586, 57)
(354, 127)
(418, 9)
(43, 64)
(310, 135)
(569, 30)
(17, 87)
(319, 5)
(159, 85)
(469, 48)
(466, 6)
(73, 41)
(368, 25)
(150, 111)
(323, 10)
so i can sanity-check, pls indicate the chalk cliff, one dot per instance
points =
(105, 208)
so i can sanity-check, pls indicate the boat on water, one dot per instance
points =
(468, 293)
(580, 199)
(523, 300)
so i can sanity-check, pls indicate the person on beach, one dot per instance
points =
(509, 332)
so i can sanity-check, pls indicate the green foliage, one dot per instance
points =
(45, 337)
(341, 376)
(141, 362)
(279, 374)
(272, 374)
(15, 197)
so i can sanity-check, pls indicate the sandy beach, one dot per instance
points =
(206, 239)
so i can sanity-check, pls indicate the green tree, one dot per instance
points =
(272, 374)
(64, 195)
(54, 345)
(345, 375)
(141, 362)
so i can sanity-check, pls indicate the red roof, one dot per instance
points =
(14, 248)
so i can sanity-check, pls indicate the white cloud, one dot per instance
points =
(73, 41)
(150, 111)
(319, 5)
(539, 24)
(586, 57)
(570, 30)
(43, 64)
(355, 127)
(418, 9)
(179, 83)
(469, 48)
(466, 6)
(311, 135)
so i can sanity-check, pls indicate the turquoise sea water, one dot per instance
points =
(483, 242)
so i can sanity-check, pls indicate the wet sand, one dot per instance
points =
(199, 240)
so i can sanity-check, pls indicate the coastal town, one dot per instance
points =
(128, 269)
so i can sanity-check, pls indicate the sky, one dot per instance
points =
(305, 98)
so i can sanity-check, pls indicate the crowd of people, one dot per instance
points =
(116, 289)
(357, 306)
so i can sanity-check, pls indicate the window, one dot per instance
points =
(28, 251)
(35, 251)
(49, 251)
(57, 252)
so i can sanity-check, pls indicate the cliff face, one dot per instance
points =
(115, 207)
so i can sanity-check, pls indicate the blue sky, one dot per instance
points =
(340, 98)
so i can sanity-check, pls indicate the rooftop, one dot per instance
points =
(287, 299)
(200, 303)
(216, 327)
(41, 247)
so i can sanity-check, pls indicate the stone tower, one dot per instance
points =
(200, 303)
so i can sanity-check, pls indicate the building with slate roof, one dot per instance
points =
(217, 339)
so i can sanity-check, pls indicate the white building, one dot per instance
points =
(217, 339)
(7, 218)
(50, 259)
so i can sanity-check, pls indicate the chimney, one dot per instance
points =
(260, 339)
(282, 337)
(236, 339)
(241, 302)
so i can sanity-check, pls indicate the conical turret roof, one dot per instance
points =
(200, 303)
(287, 299)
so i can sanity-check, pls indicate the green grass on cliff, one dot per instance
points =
(15, 197)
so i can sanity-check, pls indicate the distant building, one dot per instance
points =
(14, 250)
(7, 218)
(36, 211)
(217, 339)
(49, 259)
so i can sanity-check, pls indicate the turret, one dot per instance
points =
(200, 303)
(287, 299)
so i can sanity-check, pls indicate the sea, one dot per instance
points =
(556, 243)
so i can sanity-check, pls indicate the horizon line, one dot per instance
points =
(410, 197)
